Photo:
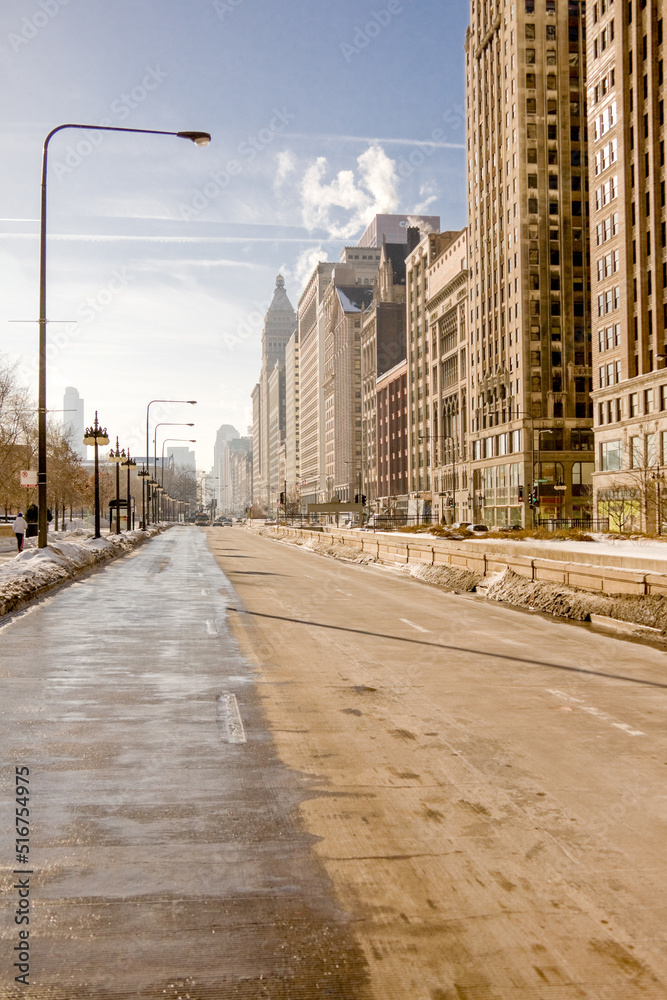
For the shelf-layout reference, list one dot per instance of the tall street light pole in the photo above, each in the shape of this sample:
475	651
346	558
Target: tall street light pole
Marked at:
199	139
144	493
96	436
164	423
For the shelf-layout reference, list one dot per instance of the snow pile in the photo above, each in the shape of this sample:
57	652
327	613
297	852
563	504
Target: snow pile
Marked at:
446	577
579	605
35	570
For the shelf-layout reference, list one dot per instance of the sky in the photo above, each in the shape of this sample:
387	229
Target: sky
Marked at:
162	256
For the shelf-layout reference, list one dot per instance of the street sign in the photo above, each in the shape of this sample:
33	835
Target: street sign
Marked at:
541	480
560	487
28	477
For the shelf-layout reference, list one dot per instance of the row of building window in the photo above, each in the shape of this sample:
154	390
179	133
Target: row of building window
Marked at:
641	452
639	404
607	155
604	39
609	300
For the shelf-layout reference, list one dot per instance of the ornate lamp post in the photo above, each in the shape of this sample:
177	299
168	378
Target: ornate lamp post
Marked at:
129	464
115	458
199	139
96	436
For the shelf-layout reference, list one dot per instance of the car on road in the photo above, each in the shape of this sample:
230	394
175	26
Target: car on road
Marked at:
222	522
477	529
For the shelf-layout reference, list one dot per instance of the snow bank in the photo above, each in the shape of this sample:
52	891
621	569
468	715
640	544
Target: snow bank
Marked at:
35	571
579	605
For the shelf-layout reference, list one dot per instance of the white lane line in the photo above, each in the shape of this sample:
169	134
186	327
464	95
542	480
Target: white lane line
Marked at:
204	592
602	716
211	627
230	719
418	627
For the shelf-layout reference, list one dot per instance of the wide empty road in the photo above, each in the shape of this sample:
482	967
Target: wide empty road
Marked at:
488	787
256	772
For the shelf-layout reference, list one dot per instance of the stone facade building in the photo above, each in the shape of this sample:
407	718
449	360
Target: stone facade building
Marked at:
628	265
529	304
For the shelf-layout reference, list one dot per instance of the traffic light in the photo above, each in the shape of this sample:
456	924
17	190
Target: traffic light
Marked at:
362	499
451	501
521	494
356	498
282	499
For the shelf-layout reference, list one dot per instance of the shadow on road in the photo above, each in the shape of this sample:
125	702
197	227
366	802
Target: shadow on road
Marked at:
457	649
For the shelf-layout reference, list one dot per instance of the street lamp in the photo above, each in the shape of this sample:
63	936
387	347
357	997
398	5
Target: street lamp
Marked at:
115	458
145	497
129	464
96	436
199	139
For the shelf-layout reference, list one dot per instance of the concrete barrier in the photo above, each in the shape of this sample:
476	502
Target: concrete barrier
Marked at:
575	569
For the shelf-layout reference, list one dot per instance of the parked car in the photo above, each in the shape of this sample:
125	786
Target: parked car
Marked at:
477	529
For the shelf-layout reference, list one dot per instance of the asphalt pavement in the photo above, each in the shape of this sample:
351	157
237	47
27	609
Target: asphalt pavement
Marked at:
166	855
491	803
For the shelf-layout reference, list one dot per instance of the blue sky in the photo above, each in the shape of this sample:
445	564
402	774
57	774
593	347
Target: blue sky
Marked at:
162	256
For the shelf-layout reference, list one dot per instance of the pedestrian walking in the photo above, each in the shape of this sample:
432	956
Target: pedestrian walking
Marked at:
19	527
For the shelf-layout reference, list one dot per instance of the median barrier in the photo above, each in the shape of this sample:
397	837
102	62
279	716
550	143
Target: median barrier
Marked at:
584	570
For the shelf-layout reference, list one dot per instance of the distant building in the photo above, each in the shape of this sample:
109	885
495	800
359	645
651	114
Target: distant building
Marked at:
220	471
279	325
182	458
73	423
394	228
292	416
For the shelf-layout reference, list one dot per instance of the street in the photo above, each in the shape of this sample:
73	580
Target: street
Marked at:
257	772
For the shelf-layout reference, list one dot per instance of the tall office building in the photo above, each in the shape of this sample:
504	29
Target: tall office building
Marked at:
73	420
220	470
629	272
529	322
422	351
279	325
311	375
292	416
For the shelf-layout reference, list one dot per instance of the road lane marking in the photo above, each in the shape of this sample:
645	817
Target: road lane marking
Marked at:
211	627
229	719
602	716
418	627
204	592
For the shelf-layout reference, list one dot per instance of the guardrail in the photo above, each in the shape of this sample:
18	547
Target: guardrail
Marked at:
485	561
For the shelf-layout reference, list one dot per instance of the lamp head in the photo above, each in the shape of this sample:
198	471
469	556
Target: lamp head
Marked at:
199	138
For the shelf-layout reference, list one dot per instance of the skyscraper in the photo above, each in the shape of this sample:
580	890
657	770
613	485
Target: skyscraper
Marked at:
73	424
529	329
629	273
279	325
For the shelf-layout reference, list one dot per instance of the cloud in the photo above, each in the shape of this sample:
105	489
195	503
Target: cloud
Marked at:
304	265
286	164
429	193
373	193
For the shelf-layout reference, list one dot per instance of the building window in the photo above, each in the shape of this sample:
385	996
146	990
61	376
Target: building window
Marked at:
610	456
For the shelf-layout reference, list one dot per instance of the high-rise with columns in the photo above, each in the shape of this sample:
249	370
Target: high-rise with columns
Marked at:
529	302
